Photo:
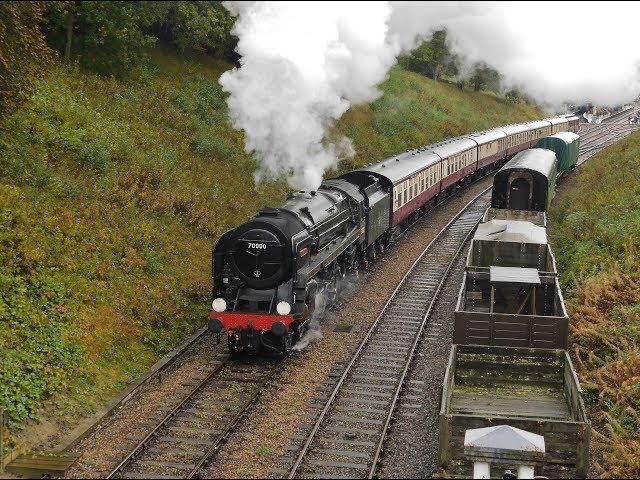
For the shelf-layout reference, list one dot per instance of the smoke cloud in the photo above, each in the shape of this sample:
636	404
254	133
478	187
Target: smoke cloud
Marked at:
303	64
555	51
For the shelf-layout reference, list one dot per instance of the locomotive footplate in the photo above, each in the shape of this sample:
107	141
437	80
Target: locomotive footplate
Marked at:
239	320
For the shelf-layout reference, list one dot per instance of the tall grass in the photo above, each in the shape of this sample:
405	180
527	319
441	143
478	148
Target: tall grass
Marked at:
596	235
111	197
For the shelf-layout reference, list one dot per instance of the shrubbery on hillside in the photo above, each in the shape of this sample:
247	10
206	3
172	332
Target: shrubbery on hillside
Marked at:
24	53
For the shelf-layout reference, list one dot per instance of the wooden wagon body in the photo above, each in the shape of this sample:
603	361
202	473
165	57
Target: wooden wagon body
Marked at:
536	390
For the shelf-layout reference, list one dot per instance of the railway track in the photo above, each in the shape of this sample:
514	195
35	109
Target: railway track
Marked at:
191	427
189	432
598	136
348	435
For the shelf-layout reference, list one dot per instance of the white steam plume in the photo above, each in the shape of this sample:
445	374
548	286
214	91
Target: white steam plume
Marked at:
303	64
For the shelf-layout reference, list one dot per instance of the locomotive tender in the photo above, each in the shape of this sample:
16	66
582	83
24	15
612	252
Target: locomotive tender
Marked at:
267	272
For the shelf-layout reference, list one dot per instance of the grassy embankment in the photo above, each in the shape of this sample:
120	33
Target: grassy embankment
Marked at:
596	234
111	195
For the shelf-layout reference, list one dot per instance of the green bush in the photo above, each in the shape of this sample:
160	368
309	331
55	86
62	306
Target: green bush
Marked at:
207	143
152	261
38	342
95	154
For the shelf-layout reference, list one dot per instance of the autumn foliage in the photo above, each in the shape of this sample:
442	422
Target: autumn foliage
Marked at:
596	233
24	54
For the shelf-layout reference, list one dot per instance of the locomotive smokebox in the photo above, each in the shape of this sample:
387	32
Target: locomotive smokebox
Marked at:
259	252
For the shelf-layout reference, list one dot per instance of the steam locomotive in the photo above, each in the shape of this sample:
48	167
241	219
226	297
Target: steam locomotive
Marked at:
268	271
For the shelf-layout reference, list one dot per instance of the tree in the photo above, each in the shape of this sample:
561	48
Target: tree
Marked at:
513	95
113	38
485	77
433	58
108	37
24	54
199	26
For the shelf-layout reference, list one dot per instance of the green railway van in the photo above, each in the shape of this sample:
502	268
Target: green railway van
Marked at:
566	146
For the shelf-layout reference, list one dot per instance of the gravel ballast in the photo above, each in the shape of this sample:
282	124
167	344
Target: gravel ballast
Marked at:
411	447
258	446
258	442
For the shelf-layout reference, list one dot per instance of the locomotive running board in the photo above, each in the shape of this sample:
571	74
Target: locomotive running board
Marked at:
326	257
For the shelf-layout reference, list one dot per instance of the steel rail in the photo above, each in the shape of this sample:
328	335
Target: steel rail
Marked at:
418	336
229	426
130	456
312	435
